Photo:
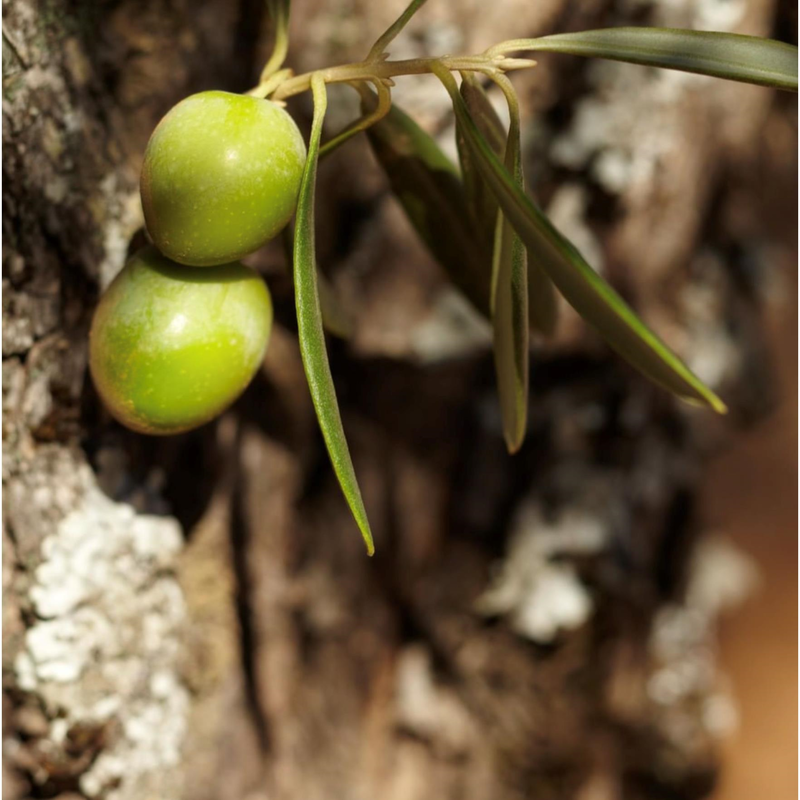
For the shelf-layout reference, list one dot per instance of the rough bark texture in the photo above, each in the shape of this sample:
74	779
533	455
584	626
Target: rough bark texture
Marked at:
196	618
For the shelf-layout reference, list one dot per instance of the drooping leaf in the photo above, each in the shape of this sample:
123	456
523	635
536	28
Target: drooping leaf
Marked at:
483	112
749	59
480	198
510	307
542	301
428	186
309	324
591	296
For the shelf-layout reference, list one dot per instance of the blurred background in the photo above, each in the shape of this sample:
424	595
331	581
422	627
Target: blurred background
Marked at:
611	614
751	494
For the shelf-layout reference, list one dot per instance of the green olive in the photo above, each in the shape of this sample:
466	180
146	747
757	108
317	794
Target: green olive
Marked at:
172	346
220	177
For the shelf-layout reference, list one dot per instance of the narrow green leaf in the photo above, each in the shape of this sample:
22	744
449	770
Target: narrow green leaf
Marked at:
510	307
749	59
483	113
427	185
480	197
542	301
591	296
309	324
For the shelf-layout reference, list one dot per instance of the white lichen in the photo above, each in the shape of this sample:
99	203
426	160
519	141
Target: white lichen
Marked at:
540	596
682	640
120	226
453	329
625	143
105	645
429	710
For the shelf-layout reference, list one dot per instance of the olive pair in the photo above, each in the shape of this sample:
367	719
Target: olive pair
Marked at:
181	331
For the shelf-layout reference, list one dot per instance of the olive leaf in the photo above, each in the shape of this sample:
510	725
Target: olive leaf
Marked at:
542	301
428	186
309	324
510	304
591	296
750	59
480	197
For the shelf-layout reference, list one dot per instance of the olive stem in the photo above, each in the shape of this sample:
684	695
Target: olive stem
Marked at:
266	87
385	70
364	122
279	9
511	96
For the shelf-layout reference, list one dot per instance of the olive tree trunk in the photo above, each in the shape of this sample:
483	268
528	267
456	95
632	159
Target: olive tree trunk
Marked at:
196	618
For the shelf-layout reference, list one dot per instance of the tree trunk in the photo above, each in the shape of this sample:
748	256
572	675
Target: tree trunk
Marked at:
196	617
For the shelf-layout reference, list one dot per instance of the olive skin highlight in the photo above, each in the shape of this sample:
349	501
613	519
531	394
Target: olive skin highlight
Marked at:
171	347
220	177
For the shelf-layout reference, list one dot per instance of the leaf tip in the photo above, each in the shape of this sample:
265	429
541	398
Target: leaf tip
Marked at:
361	519
708	400
514	444
717	404
712	401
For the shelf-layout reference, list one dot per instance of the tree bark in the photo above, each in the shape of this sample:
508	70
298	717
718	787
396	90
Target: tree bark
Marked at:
195	617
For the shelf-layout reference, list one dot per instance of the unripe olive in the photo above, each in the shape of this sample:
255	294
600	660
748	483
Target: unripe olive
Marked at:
172	346
220	177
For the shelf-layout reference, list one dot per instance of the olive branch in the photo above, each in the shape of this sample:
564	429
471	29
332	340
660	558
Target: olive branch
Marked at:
512	274
495	243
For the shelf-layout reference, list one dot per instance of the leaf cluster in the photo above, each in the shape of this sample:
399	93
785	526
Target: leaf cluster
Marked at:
495	243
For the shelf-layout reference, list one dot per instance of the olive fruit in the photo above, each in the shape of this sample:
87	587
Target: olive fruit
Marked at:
172	346
220	177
